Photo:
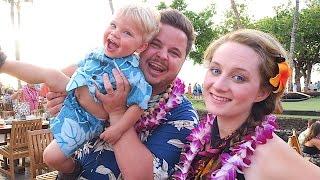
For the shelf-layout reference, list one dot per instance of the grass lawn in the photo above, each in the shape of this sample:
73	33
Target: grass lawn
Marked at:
198	104
296	116
312	104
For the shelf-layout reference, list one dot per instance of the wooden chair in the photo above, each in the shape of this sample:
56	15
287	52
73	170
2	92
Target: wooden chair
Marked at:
294	142
6	114
18	144
38	141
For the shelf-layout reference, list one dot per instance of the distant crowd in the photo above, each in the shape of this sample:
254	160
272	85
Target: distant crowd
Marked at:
18	104
195	91
312	87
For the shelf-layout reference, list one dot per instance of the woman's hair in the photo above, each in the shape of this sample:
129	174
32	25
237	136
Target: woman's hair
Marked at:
178	20
268	49
314	132
145	17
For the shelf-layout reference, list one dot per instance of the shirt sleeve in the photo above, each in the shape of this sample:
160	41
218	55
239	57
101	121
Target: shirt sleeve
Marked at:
167	141
140	92
89	55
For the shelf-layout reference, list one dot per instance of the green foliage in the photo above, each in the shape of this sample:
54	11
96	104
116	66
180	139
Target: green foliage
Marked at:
311	3
202	22
279	26
179	5
307	36
162	5
307	46
230	19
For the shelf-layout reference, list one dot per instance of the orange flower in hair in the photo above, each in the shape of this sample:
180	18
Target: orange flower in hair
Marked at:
280	80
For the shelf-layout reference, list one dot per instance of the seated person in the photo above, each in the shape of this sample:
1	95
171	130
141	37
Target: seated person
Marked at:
20	106
303	134
311	144
7	99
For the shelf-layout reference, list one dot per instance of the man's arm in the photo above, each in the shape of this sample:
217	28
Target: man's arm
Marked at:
160	152
69	70
138	154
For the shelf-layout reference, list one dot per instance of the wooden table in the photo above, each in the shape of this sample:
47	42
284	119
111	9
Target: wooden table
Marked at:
6	129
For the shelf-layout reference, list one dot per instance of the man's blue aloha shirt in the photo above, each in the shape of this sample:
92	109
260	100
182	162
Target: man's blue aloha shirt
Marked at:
165	143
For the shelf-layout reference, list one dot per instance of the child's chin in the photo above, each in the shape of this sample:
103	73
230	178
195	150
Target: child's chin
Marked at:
107	53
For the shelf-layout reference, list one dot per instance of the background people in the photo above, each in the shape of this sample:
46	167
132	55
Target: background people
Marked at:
1	89
31	95
304	133
197	91
189	91
311	144
21	107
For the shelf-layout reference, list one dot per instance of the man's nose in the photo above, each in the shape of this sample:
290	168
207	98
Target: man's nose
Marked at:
163	54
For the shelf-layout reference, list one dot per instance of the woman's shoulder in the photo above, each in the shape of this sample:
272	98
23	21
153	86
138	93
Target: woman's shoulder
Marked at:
276	160
315	142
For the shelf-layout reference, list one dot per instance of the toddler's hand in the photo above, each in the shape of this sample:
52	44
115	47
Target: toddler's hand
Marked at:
111	135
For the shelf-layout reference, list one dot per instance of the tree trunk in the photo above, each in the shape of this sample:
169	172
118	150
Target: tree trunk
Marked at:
305	88
16	41
111	6
293	40
307	75
298	83
309	69
237	15
297	77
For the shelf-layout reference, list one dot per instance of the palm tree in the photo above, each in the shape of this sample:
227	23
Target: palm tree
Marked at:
15	5
237	15
293	40
111	6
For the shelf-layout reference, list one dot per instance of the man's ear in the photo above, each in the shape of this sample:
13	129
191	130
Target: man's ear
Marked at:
262	95
142	47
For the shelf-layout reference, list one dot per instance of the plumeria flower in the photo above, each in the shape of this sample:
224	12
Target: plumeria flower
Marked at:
280	80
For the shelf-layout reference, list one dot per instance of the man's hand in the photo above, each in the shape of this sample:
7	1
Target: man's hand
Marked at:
114	102
54	102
